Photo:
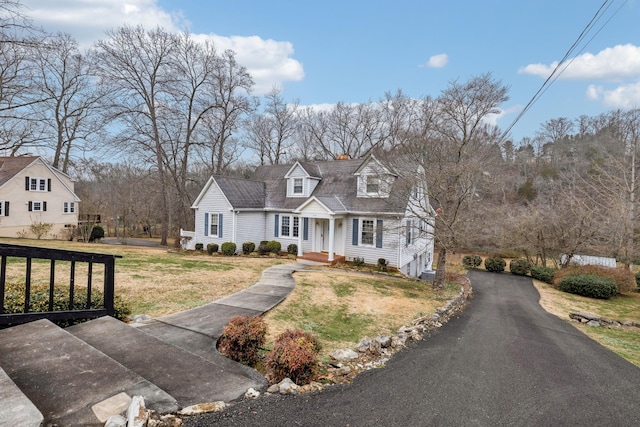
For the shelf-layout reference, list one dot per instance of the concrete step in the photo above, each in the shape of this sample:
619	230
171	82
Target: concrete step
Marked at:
182	372
16	409
69	381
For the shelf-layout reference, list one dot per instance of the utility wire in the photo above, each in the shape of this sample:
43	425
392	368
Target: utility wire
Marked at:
560	66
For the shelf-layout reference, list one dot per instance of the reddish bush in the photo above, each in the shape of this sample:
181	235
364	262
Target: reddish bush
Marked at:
242	338
624	278
294	356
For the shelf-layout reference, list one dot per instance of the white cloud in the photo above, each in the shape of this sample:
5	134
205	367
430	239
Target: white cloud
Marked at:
623	97
437	61
612	64
269	62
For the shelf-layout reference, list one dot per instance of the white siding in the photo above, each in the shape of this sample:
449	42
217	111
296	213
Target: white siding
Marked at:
250	228
20	219
388	251
214	201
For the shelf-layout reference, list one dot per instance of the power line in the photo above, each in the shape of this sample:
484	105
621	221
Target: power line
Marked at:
560	66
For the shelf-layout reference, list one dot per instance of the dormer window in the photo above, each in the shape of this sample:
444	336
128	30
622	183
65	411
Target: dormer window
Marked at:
373	185
297	185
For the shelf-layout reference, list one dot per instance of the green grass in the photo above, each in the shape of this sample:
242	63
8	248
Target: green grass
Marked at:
625	342
344	289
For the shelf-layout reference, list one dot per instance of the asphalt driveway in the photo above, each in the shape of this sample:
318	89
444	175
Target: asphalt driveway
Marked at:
503	361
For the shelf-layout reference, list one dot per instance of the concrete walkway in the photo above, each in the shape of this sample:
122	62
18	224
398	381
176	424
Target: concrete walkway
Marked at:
171	360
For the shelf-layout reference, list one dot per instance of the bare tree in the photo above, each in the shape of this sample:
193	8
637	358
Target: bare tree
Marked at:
270	133
455	152
69	116
133	64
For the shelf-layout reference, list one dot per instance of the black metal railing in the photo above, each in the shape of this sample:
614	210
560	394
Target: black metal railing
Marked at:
70	258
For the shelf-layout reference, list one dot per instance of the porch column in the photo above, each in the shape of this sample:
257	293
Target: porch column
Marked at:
332	227
300	235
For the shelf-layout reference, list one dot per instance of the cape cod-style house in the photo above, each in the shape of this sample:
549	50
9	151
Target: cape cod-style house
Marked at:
32	192
345	209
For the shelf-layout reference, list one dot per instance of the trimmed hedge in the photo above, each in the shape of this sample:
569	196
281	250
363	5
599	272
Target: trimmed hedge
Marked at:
638	281
495	264
589	285
623	278
544	274
519	267
39	301
248	247
212	248
274	246
471	261
228	248
292	249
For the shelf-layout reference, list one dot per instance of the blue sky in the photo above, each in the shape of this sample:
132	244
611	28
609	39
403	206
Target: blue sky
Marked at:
355	51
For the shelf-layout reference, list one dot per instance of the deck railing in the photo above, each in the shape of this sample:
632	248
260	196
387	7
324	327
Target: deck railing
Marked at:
70	259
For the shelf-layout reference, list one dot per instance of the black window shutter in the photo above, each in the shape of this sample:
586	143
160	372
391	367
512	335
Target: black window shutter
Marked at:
26	183
220	226
379	233
30	206
407	239
275	227
6	208
44	206
354	237
305	228
206	224
49	184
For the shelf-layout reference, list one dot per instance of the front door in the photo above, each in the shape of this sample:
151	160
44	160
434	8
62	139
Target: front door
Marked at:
325	235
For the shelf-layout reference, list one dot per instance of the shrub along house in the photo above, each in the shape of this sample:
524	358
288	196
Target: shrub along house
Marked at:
35	196
342	209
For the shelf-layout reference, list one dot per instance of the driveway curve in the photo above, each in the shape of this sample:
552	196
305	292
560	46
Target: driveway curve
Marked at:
503	361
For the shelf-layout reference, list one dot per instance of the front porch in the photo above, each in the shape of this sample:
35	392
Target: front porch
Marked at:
322	257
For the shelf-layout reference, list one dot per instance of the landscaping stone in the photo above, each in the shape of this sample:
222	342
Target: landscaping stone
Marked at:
343	354
287	386
252	393
593	323
137	415
384	341
203	408
116	421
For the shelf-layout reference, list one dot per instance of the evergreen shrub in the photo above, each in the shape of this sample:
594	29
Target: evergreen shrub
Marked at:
228	249
520	267
495	264
589	285
248	247
471	261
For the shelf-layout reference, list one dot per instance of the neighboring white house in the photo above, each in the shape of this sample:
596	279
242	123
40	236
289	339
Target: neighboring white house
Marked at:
342	208
33	192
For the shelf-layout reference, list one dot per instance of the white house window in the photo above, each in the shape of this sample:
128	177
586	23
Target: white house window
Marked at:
4	208
69	207
37	184
213	224
373	185
289	226
37	206
297	185
367	234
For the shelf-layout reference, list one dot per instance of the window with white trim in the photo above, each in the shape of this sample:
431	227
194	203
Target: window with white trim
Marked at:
297	185
367	233
289	226
37	206
213	224
69	207
373	185
37	184
3	208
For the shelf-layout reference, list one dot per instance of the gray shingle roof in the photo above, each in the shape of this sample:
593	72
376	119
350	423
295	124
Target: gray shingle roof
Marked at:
337	188
242	193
